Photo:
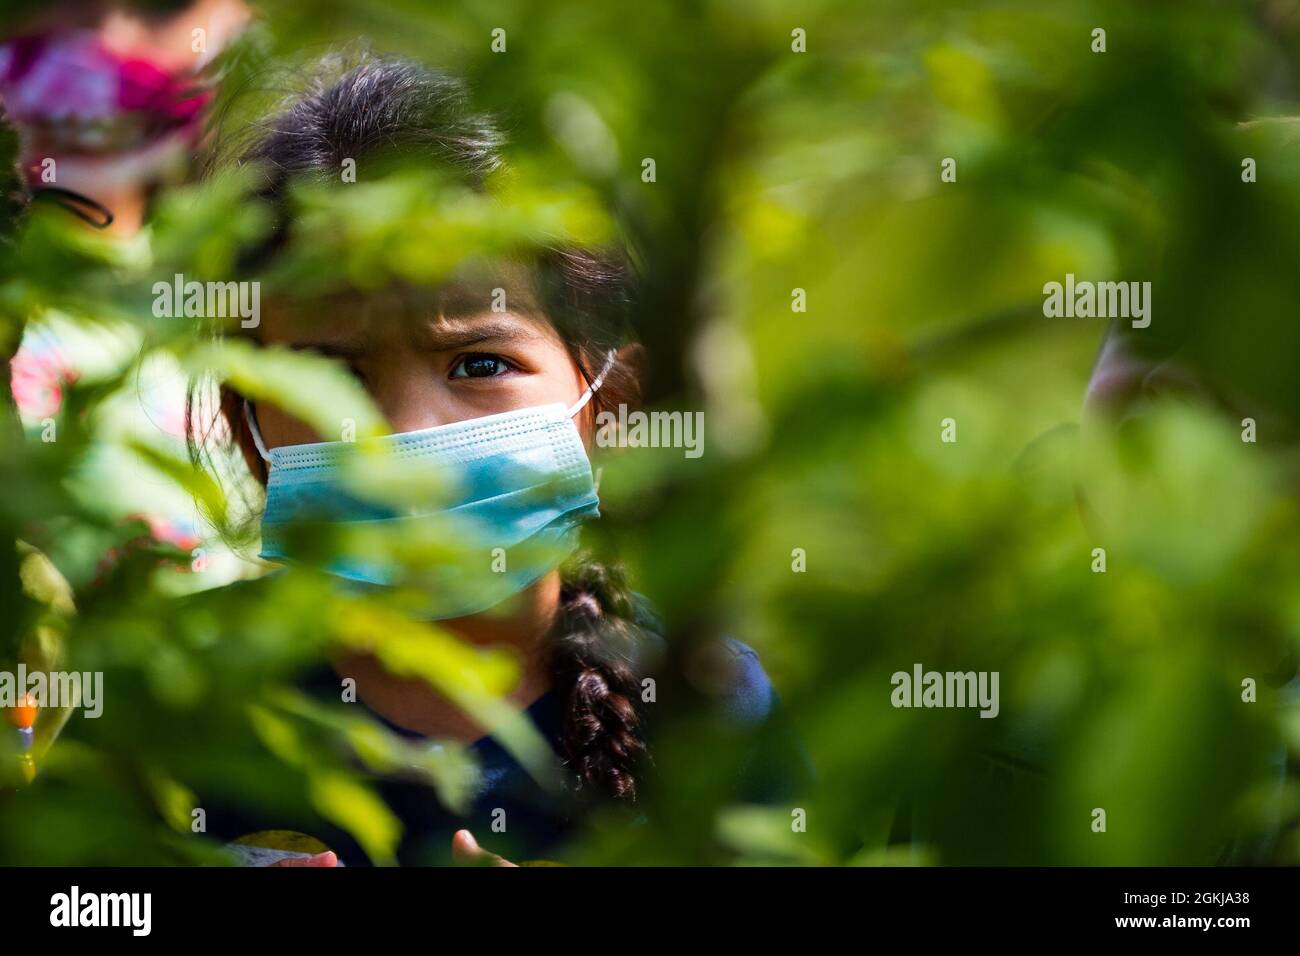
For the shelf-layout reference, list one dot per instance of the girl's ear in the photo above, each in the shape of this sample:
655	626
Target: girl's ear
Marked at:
256	466
622	387
232	406
633	358
633	353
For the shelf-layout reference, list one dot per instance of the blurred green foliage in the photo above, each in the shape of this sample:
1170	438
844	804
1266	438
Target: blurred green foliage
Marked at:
776	171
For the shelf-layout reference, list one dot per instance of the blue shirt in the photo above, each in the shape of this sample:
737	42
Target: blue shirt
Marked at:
771	765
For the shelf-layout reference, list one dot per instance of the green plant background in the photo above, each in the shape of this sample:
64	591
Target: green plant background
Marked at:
775	171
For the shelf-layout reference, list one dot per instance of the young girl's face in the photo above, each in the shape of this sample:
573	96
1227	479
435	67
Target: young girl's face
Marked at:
463	362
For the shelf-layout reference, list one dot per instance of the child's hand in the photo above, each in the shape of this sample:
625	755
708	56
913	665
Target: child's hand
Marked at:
466	852
464	849
319	859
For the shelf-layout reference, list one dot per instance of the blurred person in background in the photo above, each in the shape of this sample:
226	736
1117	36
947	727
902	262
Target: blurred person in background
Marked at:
1133	375
109	97
106	101
1136	373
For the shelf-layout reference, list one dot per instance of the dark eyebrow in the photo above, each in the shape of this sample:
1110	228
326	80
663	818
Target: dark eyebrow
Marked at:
441	335
341	349
446	337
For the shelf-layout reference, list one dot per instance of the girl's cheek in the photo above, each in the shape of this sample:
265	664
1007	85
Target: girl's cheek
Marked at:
280	428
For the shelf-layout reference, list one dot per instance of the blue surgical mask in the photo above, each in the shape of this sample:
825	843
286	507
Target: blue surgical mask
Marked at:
507	495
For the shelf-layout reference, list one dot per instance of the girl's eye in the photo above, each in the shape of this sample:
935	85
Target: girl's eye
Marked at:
479	366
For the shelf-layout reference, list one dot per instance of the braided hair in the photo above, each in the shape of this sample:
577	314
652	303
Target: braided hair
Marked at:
594	649
357	103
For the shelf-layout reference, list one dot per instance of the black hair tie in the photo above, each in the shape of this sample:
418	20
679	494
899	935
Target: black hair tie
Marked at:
81	206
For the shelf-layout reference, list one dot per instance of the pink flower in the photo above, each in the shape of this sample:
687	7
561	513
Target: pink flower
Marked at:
73	89
39	373
181	534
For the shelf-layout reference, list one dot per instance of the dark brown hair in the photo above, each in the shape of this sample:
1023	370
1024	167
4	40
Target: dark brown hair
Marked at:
359	105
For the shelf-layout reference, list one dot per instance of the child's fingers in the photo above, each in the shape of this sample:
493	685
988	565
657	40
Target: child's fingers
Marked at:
319	859
466	852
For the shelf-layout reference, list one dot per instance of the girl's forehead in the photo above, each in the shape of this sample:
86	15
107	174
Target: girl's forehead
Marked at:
498	287
474	291
497	309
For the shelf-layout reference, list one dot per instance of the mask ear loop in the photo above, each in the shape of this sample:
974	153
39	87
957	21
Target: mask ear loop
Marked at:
599	381
251	419
80	205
